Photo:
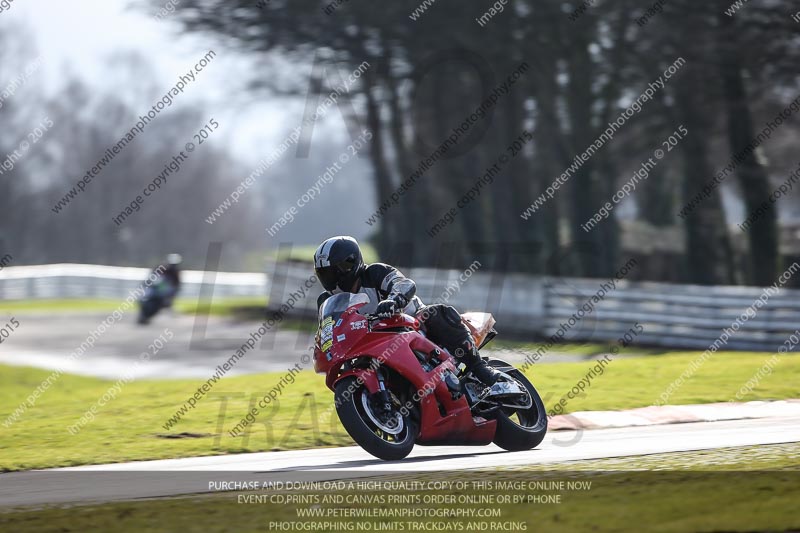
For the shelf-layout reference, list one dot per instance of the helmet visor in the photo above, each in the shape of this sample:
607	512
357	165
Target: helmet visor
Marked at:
328	276
347	265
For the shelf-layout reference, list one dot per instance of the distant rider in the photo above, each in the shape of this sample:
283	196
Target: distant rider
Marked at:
169	283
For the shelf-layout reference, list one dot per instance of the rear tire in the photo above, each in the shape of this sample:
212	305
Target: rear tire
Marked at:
530	426
349	406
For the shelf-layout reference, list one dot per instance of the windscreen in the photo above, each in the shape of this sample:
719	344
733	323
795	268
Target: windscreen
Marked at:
337	304
331	310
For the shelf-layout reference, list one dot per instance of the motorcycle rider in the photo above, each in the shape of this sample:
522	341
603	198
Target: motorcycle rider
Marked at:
171	277
163	290
340	267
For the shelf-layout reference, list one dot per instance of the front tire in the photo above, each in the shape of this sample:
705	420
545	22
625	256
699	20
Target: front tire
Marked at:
519	430
144	318
148	309
352	403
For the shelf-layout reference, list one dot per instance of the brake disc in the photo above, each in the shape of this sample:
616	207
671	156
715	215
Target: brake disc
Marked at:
393	426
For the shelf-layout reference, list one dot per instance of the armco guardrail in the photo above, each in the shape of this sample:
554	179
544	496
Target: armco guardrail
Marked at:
97	281
671	315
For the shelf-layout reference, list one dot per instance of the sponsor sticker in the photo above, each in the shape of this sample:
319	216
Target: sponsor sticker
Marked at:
326	334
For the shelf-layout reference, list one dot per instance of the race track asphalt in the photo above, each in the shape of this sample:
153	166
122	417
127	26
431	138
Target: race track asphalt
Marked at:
149	479
46	341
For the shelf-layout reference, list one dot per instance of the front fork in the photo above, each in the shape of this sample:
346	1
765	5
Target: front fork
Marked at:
382	397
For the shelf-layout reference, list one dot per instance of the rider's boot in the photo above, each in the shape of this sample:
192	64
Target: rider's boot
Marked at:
475	364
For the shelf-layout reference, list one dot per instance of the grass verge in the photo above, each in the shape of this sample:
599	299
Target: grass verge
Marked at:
742	458
222	307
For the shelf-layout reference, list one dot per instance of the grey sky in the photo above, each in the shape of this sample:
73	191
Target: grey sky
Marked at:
87	38
83	37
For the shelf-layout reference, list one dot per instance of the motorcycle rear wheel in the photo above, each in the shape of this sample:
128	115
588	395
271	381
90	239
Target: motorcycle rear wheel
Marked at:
350	406
519	430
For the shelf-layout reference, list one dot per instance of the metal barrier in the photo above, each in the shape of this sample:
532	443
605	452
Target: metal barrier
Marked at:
671	315
97	281
676	316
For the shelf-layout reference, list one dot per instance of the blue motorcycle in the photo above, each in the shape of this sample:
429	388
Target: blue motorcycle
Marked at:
156	297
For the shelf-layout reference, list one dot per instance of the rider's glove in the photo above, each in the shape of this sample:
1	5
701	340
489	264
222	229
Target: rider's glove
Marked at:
386	308
400	300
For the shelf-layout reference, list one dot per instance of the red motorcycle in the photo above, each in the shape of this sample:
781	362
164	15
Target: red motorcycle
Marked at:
395	388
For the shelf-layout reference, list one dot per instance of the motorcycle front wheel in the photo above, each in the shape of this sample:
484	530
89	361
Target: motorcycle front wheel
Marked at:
388	439
147	309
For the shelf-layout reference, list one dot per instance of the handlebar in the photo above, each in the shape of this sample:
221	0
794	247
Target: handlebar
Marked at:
378	317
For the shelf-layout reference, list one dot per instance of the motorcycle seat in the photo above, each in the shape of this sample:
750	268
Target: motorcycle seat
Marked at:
479	324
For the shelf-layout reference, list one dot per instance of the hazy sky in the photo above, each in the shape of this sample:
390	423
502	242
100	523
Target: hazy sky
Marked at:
85	38
82	36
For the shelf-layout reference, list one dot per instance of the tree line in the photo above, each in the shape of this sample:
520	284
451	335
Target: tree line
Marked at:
431	70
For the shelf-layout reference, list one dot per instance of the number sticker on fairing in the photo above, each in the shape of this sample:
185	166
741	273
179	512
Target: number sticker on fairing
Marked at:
326	334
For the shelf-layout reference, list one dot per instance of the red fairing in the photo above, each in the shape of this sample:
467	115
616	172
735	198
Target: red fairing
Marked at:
391	341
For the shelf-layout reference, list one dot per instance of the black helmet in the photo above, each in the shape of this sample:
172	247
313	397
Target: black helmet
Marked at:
338	262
